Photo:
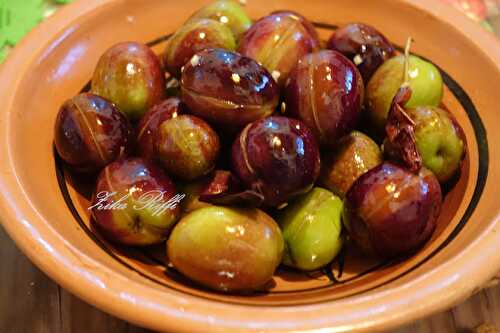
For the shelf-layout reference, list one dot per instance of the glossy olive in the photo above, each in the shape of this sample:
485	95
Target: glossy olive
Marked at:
326	92
278	42
152	119
312	228
390	211
90	133
364	45
135	203
226	249
354	155
193	37
228	89
425	82
187	147
227	12
131	76
277	157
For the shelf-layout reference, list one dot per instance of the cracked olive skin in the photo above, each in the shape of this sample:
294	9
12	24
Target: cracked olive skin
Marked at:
226	249
364	45
227	89
151	121
278	42
193	37
326	92
134	203
355	154
311	227
277	157
390	212
90	132
130	75
187	147
227	12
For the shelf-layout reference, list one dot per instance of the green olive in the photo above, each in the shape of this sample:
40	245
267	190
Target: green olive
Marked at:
226	249
227	12
312	230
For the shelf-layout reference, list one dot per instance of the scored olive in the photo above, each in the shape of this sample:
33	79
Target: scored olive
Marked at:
228	89
152	119
187	147
227	12
278	42
193	37
225	248
90	132
354	155
131	76
325	91
277	157
312	230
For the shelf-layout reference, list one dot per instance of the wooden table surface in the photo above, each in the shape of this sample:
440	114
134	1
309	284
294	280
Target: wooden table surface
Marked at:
30	302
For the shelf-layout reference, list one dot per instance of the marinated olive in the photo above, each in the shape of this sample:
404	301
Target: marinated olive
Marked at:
227	12
425	82
277	157
440	140
312	230
130	75
193	37
278	42
390	211
364	45
307	24
135	203
152	119
326	92
228	89
225	248
90	133
187	147
354	155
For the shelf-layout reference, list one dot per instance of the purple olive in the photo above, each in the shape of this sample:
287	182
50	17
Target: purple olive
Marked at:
131	76
90	133
277	157
148	126
364	45
390	211
278	42
187	147
228	89
135	203
326	92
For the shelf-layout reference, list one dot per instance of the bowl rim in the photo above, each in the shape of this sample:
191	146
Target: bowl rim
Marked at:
143	304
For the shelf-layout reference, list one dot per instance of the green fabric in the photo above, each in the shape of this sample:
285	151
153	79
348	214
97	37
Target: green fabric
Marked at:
18	17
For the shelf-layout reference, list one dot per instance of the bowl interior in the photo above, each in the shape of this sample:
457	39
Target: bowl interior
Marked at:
64	64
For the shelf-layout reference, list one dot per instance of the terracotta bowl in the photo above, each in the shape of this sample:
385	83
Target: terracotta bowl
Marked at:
45	211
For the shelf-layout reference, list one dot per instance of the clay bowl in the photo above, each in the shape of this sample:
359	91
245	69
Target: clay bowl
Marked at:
46	213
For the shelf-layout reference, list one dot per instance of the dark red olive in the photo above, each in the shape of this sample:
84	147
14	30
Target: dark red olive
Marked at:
277	157
390	211
305	22
364	45
278	42
228	89
148	126
135	203
326	92
90	133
